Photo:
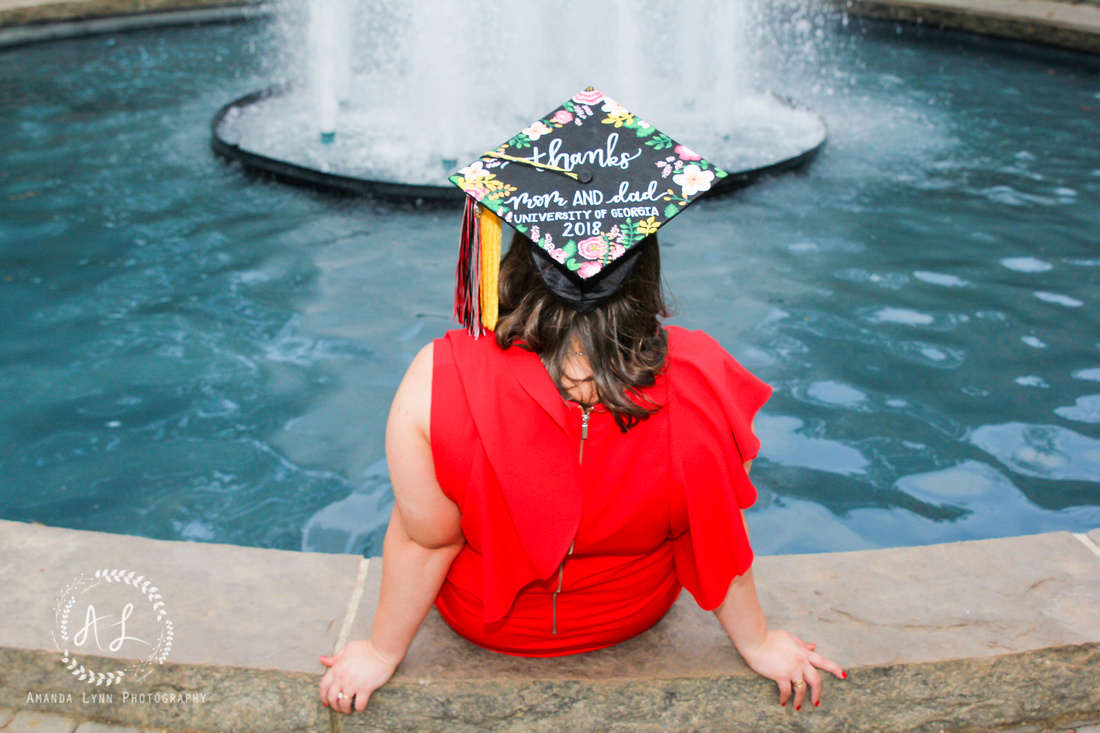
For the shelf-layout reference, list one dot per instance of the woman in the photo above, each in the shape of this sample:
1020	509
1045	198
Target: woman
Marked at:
559	482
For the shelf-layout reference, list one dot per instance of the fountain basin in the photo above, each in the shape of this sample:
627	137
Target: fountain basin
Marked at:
272	132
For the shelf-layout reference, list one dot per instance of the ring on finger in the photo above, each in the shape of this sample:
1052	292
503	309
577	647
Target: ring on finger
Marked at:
339	696
798	684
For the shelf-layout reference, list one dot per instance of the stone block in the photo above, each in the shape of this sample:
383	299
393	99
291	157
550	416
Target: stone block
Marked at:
38	11
915	627
1074	25
249	626
973	636
31	721
231	606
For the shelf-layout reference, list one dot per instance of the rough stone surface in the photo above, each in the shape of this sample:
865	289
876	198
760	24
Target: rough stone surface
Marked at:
1094	535
30	721
1072	25
916	697
237	699
6	714
92	727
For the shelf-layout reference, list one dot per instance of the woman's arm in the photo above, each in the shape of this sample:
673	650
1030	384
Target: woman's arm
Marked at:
777	655
422	540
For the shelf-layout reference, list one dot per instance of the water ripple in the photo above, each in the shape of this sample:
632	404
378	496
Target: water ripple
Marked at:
1041	451
1084	409
1026	264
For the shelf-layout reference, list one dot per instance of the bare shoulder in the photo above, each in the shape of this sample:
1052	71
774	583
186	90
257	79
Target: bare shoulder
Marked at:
428	516
412	405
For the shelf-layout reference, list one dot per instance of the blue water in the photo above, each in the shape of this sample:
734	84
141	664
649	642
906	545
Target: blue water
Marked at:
187	352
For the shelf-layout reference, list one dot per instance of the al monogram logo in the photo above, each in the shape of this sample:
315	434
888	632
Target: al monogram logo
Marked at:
113	614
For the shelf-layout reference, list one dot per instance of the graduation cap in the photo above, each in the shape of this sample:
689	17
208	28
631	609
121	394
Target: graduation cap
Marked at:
586	184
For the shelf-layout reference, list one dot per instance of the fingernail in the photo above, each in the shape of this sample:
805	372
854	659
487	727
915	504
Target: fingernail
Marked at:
843	675
783	704
797	707
817	703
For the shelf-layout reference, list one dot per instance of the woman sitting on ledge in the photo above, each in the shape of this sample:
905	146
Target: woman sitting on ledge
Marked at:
560	480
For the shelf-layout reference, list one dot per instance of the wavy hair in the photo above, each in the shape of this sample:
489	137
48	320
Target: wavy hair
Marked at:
624	342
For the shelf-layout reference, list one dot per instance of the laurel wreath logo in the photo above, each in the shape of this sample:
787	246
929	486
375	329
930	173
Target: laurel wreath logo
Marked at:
136	671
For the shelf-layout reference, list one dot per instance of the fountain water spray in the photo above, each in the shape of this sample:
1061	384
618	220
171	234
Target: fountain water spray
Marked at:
436	84
330	50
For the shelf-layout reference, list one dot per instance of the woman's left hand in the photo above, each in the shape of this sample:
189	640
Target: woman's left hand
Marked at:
789	661
355	672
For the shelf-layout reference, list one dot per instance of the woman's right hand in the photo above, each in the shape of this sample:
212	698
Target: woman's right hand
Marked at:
356	671
787	660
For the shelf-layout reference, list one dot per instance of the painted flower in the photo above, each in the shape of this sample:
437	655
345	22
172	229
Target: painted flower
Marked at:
693	180
617	251
593	248
475	171
563	117
534	233
588	269
558	254
612	107
588	97
687	153
537	130
476	190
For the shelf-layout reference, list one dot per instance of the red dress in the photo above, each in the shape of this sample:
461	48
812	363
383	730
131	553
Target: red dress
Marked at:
563	557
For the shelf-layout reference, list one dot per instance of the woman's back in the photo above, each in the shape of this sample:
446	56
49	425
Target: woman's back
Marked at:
571	524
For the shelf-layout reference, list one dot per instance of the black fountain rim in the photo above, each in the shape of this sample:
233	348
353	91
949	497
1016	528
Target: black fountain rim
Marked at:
305	176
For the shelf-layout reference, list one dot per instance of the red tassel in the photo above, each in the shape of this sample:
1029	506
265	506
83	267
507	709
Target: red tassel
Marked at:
468	272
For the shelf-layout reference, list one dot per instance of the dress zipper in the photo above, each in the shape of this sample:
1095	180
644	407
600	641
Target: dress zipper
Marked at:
584	431
585	413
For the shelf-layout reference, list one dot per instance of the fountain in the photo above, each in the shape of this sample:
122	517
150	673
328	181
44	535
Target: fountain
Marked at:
191	353
442	94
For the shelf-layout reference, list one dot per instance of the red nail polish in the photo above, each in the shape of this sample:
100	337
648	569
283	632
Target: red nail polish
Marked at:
797	707
817	703
783	704
843	675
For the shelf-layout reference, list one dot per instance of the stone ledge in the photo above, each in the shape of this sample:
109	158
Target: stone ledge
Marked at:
985	635
27	12
1072	25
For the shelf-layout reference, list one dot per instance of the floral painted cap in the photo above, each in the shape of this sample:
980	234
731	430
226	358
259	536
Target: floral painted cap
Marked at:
586	184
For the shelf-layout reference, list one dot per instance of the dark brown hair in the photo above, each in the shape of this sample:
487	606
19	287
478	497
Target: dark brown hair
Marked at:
622	338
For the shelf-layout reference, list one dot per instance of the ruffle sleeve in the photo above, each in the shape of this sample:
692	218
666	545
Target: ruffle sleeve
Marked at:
713	400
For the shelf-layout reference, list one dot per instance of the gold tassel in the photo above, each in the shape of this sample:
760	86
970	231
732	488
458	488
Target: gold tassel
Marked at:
490	267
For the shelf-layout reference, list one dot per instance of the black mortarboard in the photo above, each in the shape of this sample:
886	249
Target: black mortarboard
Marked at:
586	184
